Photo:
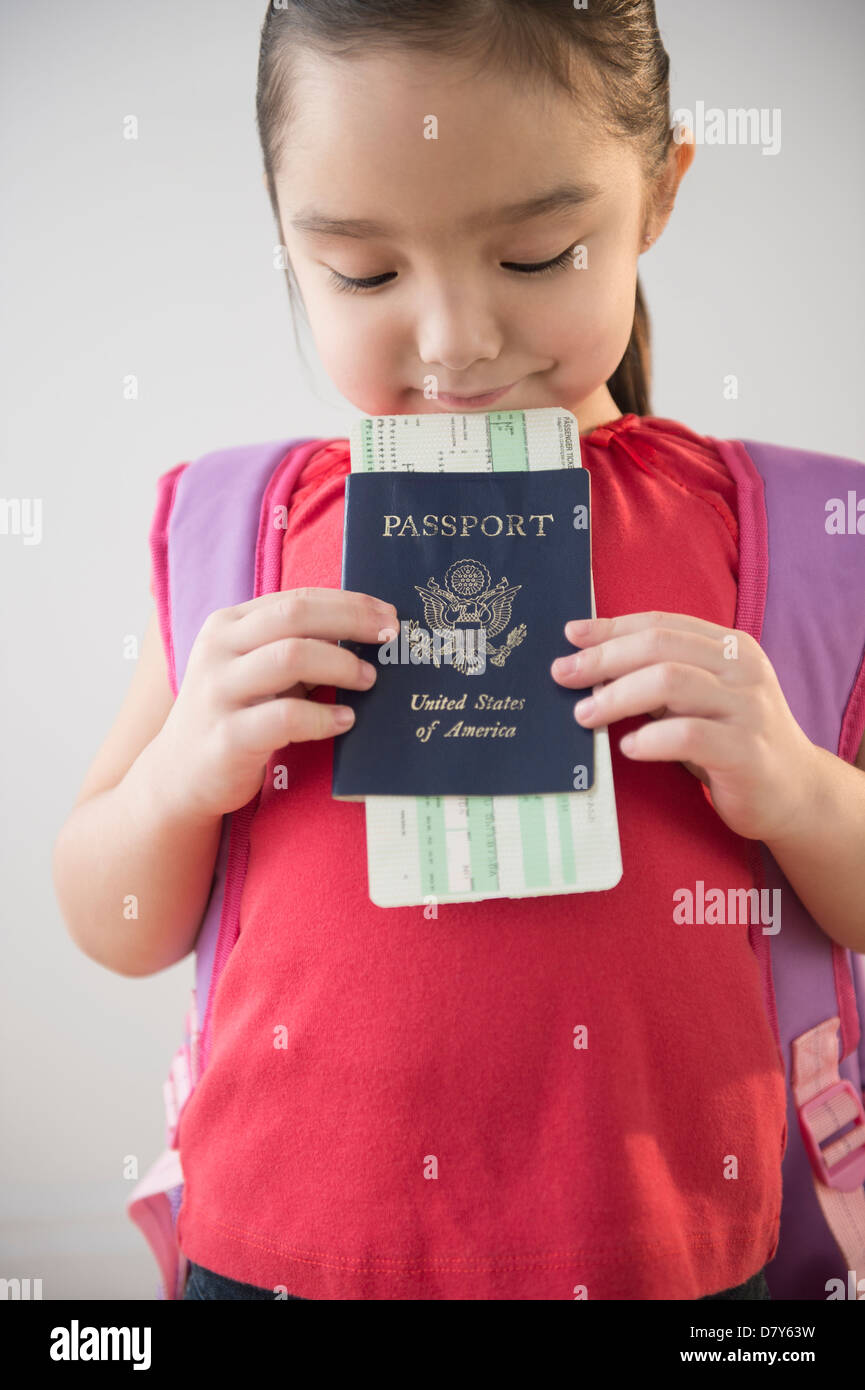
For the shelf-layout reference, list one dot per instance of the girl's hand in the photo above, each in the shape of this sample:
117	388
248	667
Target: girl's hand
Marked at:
719	707
244	692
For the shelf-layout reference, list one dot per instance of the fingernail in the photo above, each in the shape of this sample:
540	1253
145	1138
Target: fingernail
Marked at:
585	708
578	626
343	715
387	634
368	670
567	665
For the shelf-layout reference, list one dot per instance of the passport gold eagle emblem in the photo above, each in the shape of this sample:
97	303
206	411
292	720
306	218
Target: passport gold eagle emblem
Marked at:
467	602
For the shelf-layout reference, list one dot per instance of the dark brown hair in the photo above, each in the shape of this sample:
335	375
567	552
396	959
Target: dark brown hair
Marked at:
613	45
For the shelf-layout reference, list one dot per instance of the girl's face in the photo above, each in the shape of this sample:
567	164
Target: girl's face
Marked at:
441	226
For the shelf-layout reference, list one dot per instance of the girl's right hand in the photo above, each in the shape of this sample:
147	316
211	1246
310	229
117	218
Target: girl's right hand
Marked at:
244	691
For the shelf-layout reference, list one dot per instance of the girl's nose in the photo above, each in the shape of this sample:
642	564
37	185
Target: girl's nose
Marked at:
456	329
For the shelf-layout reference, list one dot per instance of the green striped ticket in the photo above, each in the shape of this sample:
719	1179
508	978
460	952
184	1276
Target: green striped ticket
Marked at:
427	849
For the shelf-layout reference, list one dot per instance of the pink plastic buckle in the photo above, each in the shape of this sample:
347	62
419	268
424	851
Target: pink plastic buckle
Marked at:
849	1172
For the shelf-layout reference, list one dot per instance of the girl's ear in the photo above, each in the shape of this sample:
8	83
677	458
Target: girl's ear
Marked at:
679	161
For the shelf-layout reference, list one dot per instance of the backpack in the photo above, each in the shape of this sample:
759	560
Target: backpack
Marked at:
214	544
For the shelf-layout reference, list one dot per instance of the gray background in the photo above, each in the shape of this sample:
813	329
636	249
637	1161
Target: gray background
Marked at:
154	257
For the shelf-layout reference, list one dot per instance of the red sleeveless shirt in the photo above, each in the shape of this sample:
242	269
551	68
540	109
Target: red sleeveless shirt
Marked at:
394	1106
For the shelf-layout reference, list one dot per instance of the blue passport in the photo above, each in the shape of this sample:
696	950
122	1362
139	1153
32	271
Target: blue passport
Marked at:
485	569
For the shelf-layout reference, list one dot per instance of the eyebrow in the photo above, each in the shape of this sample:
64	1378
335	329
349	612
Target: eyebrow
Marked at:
565	197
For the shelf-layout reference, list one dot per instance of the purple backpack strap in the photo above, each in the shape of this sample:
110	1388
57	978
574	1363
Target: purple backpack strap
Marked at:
216	541
800	595
222	550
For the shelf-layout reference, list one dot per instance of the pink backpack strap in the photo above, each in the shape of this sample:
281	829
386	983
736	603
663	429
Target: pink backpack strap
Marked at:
800	593
166	491
216	541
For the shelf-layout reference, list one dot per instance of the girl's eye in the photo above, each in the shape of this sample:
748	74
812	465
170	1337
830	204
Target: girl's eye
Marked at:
542	267
344	282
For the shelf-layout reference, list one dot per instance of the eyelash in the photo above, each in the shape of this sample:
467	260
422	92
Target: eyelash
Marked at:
373	282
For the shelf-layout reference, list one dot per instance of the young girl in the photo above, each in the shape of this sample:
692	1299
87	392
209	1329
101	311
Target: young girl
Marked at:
464	191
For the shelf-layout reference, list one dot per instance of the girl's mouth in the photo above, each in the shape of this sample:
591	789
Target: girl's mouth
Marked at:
481	402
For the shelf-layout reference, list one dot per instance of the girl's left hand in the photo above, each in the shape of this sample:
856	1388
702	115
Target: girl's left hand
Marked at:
718	705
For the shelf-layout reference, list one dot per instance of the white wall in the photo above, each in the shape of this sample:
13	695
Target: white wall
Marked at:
153	258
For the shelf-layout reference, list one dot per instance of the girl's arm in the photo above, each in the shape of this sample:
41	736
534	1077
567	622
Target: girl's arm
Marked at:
718	708
132	865
823	856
